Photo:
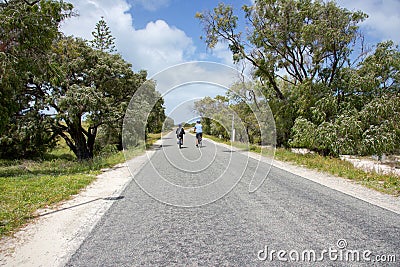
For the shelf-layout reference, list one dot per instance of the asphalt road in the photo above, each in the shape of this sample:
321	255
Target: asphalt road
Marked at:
192	207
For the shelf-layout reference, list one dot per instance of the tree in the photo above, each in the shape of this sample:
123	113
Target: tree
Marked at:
168	124
27	31
92	89
298	48
156	117
379	73
103	39
205	108
308	40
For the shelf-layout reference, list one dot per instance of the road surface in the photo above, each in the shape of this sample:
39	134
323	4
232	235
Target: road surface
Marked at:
288	221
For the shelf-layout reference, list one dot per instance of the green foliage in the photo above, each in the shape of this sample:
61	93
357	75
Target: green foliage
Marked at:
27	185
303	133
296	33
387	183
380	120
54	86
103	39
373	130
27	32
324	101
91	85
157	115
309	40
28	136
380	72
168	124
213	113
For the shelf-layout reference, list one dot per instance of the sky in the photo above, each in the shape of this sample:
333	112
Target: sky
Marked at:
157	34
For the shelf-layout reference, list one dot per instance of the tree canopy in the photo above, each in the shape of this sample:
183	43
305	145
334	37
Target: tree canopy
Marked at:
55	86
27	32
307	40
323	96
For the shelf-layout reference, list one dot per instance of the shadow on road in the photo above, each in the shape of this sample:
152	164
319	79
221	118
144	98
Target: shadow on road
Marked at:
80	204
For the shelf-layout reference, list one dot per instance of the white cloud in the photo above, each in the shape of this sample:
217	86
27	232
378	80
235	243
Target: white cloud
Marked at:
153	48
383	22
158	46
89	13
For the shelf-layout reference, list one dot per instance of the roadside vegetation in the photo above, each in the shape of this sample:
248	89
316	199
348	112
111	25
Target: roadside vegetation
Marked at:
64	98
62	107
385	183
327	91
29	185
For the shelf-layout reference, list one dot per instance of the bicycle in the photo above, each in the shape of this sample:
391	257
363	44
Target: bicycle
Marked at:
199	140
180	142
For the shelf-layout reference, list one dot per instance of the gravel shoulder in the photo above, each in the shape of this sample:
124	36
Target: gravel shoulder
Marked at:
58	232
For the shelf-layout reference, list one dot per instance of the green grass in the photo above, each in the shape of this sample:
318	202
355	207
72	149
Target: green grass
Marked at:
386	183
29	185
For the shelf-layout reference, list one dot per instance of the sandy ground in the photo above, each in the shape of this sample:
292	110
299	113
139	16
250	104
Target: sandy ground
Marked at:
371	165
58	232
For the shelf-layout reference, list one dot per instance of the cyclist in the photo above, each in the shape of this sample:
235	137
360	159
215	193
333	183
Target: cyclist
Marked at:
179	133
198	129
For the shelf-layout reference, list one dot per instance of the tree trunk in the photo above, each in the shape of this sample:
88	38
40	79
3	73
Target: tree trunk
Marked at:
92	132
81	148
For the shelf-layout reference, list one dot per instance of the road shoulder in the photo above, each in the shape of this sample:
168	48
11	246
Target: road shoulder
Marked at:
57	233
55	236
343	185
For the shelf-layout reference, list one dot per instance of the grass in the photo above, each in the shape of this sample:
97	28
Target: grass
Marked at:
385	183
29	185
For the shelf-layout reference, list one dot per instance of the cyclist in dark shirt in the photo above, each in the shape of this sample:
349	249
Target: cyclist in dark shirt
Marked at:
180	132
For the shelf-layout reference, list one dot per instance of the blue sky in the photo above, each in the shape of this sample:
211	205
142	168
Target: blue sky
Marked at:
157	34
151	34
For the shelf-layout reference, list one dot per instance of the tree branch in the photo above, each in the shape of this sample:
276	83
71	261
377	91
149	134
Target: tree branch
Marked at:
31	3
68	141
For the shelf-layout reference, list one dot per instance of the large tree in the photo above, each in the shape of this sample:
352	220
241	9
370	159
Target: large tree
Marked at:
298	48
27	31
305	39
364	116
93	88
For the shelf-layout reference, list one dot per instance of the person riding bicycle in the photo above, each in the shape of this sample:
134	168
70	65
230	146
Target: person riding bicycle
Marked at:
198	129
180	132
